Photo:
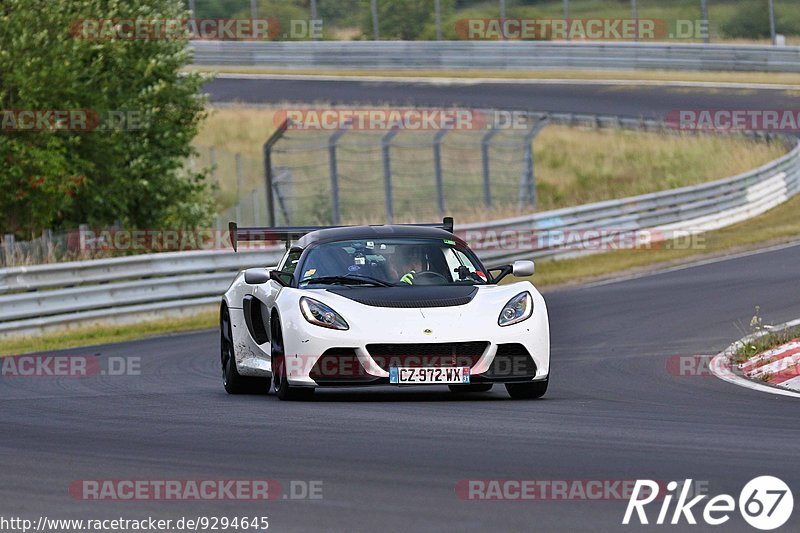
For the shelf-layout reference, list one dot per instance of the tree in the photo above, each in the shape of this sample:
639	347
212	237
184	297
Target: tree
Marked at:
400	19
131	171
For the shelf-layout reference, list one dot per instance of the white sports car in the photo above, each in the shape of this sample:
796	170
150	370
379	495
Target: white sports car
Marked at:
394	305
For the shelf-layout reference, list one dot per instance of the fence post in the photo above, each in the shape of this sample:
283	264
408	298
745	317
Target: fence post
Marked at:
47	241
282	178
267	150
487	191
334	171
527	188
256	210
772	22
704	19
438	16
8	248
386	145
212	158
437	165
238	188
84	236
375	28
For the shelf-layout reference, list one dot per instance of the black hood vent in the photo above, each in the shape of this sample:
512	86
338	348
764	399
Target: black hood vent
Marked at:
409	297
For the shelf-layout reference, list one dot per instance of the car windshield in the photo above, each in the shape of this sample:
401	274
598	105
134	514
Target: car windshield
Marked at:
391	262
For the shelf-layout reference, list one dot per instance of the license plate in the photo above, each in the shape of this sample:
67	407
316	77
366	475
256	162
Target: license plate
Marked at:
400	375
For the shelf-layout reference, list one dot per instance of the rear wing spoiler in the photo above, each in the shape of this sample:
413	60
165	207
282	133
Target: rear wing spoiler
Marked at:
287	234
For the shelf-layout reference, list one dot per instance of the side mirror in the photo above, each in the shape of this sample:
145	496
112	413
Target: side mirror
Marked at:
522	269
518	269
281	278
256	276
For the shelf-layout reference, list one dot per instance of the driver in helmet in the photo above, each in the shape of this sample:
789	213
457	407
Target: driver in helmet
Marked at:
410	261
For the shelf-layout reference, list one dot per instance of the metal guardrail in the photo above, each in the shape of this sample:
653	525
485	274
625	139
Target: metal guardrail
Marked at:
663	214
119	289
510	55
123	289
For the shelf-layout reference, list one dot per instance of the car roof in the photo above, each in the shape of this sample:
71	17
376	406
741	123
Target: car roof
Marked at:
346	233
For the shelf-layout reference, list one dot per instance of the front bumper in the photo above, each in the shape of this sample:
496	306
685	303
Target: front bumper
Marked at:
493	353
319	357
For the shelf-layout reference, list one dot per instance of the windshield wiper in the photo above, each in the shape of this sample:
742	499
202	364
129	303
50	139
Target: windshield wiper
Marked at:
363	280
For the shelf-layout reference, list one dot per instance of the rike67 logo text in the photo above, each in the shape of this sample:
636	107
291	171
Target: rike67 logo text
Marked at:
765	503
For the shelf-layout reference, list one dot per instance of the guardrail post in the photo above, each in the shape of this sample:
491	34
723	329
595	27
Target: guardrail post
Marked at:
386	145
334	171
437	166
487	191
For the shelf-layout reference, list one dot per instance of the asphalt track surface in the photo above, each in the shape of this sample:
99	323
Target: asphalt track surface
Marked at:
390	459
646	101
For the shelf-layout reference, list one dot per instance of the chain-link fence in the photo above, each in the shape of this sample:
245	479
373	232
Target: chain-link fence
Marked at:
349	176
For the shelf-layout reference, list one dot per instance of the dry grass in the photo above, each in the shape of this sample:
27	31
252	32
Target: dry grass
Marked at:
104	334
722	77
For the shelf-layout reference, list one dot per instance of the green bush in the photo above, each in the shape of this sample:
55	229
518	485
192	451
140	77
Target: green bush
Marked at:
132	174
750	21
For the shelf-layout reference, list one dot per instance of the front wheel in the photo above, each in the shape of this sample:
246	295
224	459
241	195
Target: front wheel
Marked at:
280	383
527	391
234	382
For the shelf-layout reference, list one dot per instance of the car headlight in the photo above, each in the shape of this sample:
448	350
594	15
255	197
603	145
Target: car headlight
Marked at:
320	314
518	308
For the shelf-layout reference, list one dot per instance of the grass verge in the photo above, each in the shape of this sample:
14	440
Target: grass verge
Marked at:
721	77
766	342
105	334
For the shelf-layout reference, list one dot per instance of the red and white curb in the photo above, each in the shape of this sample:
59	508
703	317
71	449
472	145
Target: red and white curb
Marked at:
776	371
778	366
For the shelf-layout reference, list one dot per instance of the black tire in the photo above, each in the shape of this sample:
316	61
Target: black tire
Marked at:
473	387
280	384
234	382
527	391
